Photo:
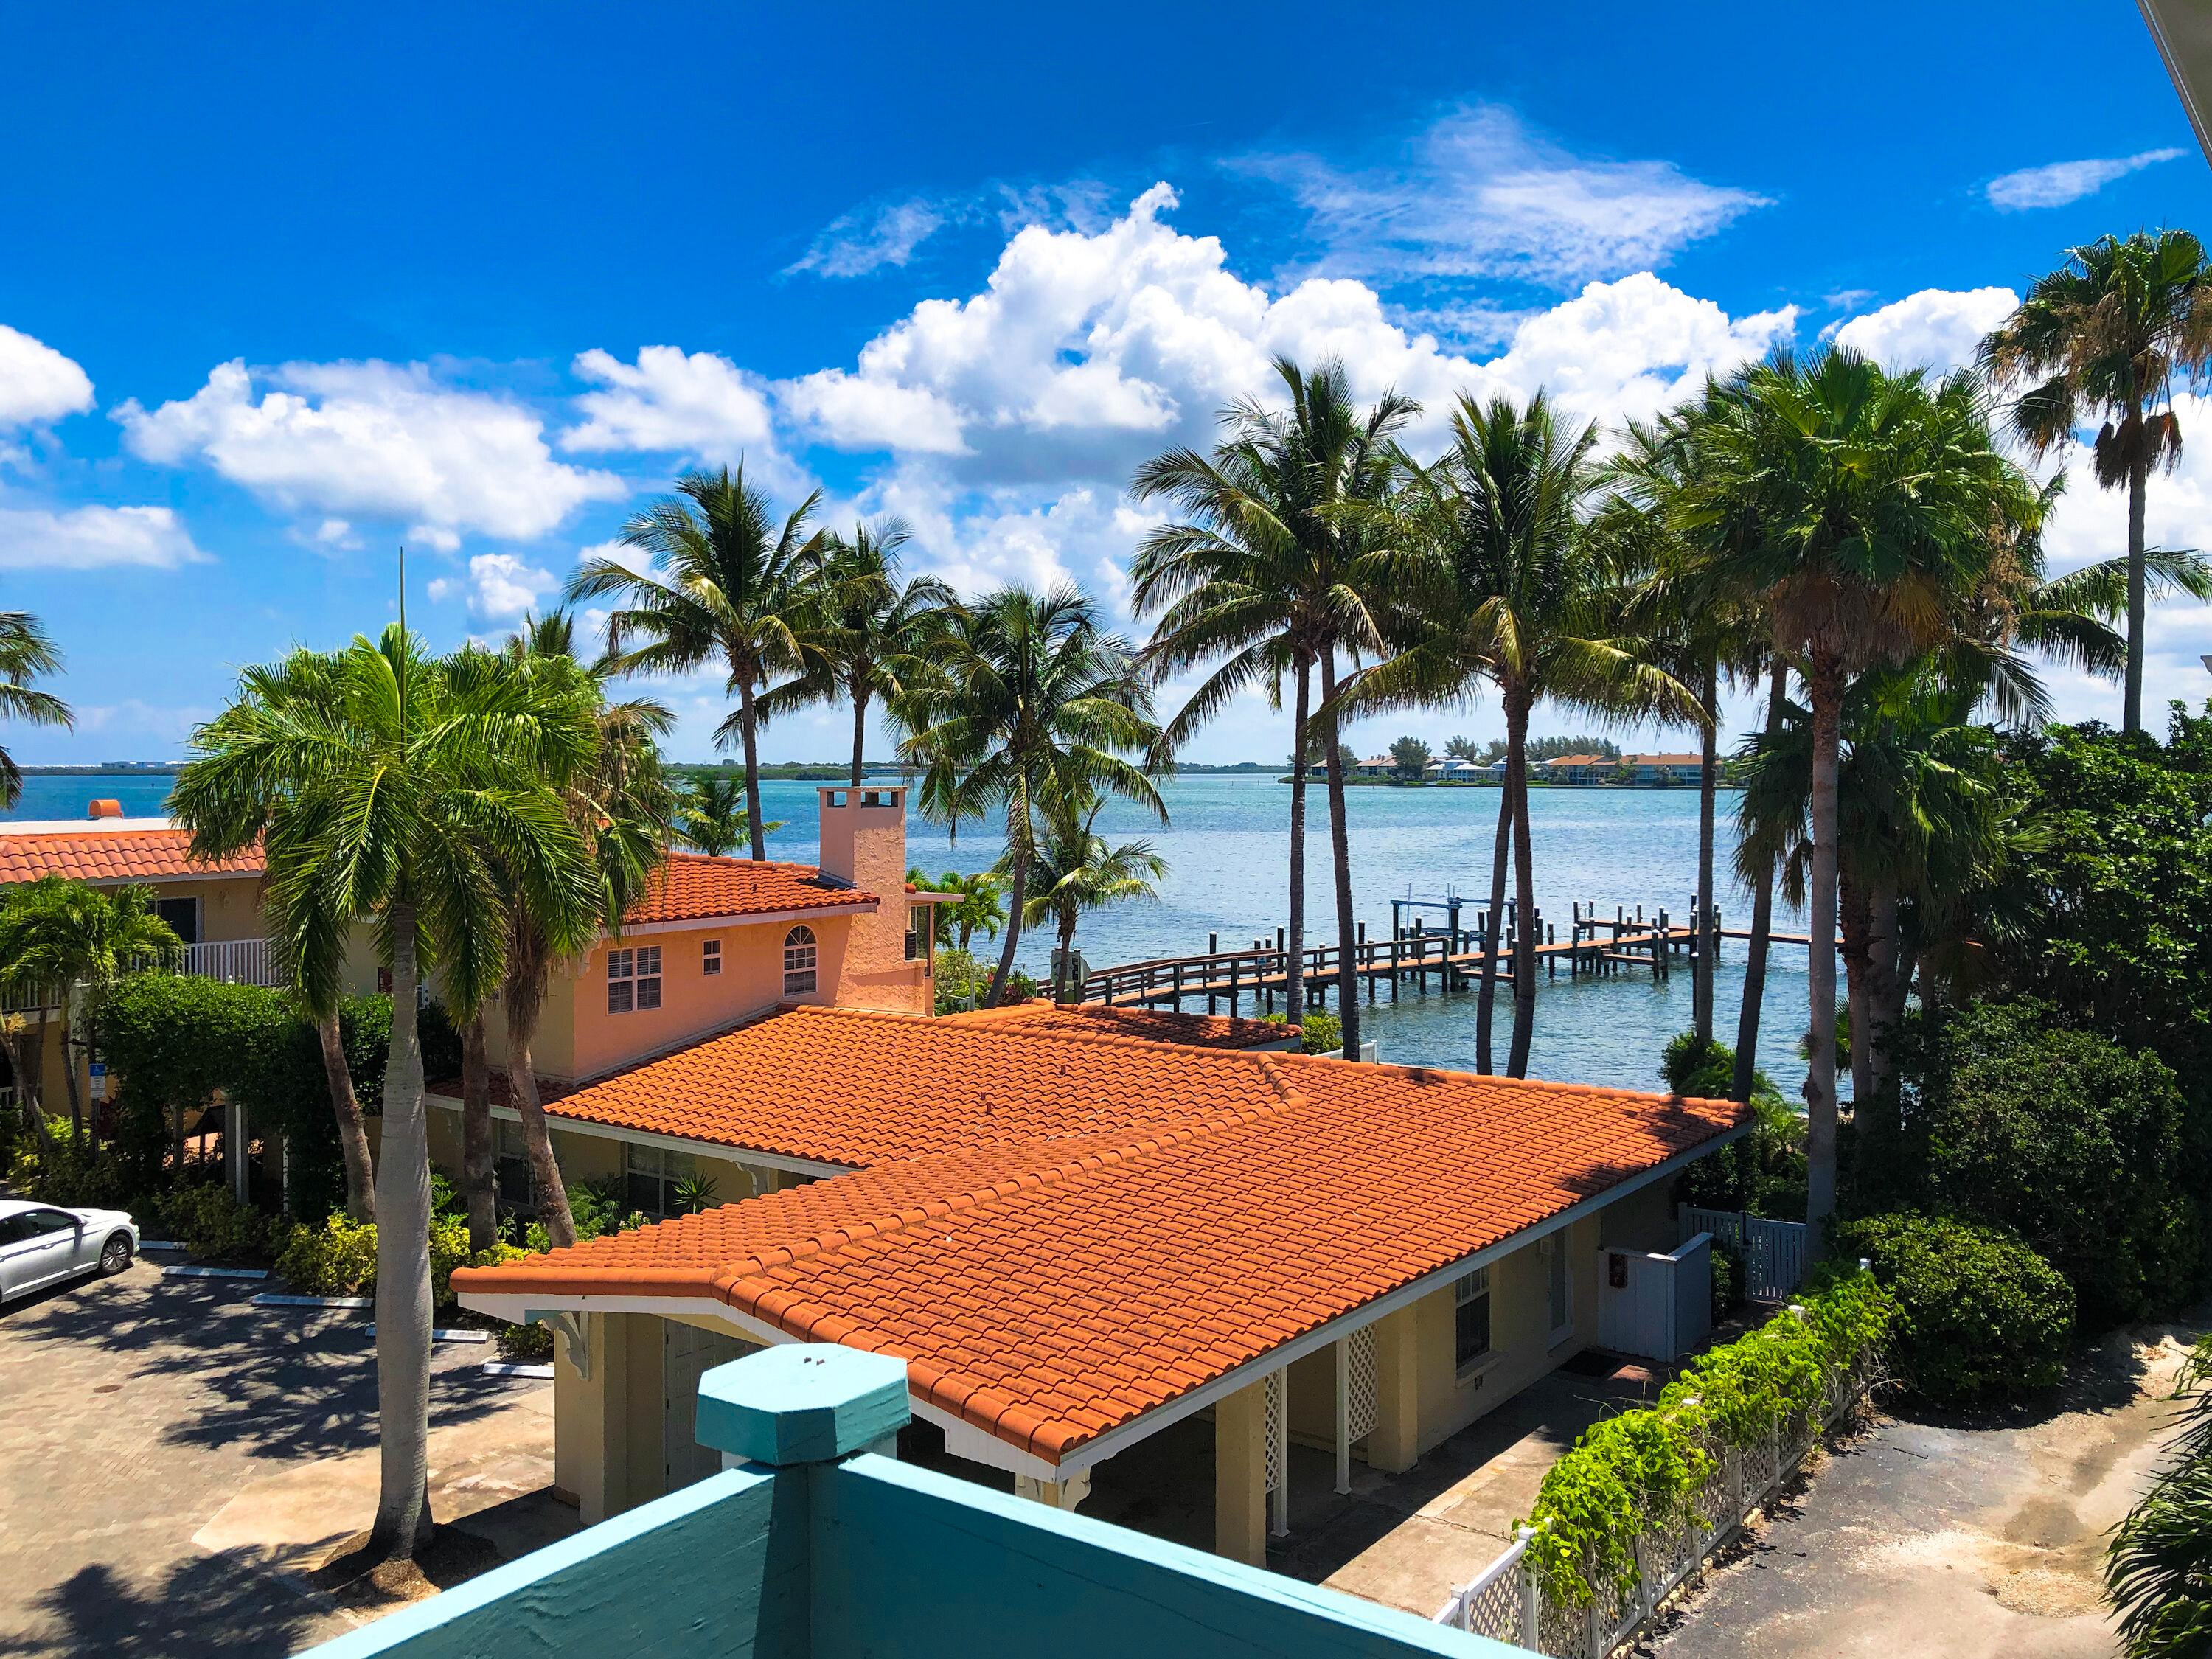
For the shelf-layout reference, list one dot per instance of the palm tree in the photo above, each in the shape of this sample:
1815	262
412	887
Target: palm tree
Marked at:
77	941
2158	1569
711	816
728	585
2106	335
25	653
981	907
619	805
1077	871
874	631
1031	711
1501	583
390	786
1262	578
1861	511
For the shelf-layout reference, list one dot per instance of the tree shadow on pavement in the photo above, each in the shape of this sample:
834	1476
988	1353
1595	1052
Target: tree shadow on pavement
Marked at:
207	1605
285	1383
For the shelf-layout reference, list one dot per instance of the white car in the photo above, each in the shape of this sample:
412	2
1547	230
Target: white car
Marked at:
43	1244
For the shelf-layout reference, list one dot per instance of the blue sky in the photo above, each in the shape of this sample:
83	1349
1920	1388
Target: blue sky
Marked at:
282	287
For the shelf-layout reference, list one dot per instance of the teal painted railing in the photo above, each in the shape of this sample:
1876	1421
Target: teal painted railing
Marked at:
818	1548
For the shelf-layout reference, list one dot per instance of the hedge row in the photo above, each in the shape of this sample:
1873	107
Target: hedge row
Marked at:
1644	1471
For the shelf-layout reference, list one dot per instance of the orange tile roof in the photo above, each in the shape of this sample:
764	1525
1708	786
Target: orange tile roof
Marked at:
1043	1015
692	886
838	1085
99	852
1051	1287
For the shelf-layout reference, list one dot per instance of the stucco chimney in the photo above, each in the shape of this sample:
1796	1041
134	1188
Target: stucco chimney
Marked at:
864	839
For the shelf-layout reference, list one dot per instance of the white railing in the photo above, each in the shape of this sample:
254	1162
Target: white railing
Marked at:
234	961
1505	1603
1773	1251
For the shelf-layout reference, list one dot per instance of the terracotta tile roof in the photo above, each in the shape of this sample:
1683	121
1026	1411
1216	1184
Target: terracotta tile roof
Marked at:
102	852
1042	1015
836	1085
692	886
1049	1290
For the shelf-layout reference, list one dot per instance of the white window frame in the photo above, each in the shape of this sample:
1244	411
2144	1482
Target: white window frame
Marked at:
802	961
710	956
633	979
659	1165
1469	1288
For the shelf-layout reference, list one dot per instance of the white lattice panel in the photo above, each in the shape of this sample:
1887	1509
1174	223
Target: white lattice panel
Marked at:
1366	1389
1276	1416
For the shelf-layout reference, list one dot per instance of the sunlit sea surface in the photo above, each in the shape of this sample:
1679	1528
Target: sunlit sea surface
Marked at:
1228	862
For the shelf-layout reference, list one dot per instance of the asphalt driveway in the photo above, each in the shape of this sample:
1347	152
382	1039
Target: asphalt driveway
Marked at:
135	1409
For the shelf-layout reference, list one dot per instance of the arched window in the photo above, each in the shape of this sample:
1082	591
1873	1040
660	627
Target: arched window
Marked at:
799	957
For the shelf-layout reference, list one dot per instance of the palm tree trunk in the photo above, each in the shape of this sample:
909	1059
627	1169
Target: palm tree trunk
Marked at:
2131	706
403	1523
749	731
1524	897
69	1071
1017	893
1493	924
353	1138
1827	684
1855	924
477	1149
1059	980
1762	924
526	995
27	1049
1339	846
1294	967
860	731
1701	965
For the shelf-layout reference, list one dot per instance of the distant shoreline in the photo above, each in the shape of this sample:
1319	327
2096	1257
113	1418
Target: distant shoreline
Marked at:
127	769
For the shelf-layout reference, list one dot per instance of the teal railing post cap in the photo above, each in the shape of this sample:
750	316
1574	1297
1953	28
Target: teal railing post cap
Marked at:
801	1403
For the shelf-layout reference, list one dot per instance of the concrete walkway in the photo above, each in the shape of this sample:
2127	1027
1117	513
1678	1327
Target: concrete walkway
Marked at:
138	1410
1970	1540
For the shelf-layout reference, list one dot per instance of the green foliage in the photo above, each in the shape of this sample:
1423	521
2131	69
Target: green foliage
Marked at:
1643	1470
1728	1278
337	1258
204	1218
74	1174
1763	1172
2157	1572
1320	1032
1410	757
694	1192
1981	1316
2065	1138
528	1344
962	982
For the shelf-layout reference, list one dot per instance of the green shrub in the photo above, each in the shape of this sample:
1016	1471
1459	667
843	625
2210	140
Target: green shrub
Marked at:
204	1219
337	1258
2076	1144
1320	1032
1642	1470
1980	1315
1728	1278
1763	1172
530	1344
76	1174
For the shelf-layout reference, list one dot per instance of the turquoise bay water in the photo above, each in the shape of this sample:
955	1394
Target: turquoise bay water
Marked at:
1228	863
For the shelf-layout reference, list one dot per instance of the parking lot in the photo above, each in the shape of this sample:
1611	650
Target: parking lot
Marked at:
141	1409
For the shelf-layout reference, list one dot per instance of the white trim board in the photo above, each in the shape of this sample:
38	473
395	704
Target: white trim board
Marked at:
722	1151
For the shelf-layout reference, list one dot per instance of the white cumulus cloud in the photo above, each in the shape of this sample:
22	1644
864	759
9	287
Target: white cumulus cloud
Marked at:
1479	194
1936	328
499	586
669	402
373	440
2061	182
94	538
868	238
37	384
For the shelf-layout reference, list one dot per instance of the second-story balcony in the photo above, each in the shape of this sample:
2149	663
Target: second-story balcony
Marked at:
232	961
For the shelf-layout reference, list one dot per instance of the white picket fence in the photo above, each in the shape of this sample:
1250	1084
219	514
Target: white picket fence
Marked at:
1505	1603
1773	1251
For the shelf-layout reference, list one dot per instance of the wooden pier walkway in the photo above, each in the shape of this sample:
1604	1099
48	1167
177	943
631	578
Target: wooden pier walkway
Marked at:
1621	942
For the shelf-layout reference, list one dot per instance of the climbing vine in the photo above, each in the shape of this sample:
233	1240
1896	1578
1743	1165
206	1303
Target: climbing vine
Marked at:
1644	1471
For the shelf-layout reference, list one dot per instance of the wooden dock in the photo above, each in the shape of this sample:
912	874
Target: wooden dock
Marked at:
1451	957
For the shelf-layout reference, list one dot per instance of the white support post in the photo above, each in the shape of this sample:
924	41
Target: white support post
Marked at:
233	1148
1531	1607
1278	1501
1342	1347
